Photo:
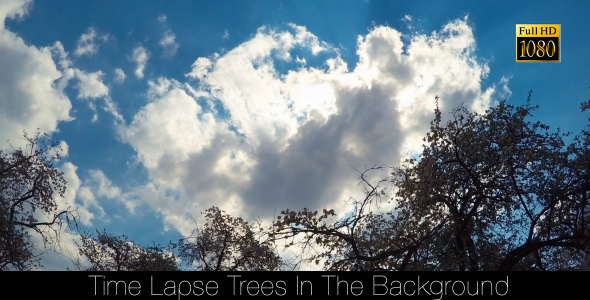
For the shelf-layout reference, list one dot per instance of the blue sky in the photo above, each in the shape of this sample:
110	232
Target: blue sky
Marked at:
257	106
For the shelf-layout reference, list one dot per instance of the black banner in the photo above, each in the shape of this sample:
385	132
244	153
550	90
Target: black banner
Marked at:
386	285
538	49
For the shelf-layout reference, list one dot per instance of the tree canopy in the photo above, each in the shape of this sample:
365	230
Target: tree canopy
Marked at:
29	185
227	243
490	191
106	252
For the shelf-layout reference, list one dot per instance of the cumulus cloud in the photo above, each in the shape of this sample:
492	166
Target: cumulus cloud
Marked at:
306	38
90	85
140	57
105	186
200	68
13	9
64	148
29	97
32	96
101	186
186	134
75	190
289	141
86	45
84	197
32	83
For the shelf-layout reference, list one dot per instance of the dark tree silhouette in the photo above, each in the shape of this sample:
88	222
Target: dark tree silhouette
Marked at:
29	185
226	243
107	252
490	191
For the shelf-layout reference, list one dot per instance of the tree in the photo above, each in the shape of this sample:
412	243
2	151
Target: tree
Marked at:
29	185
107	252
226	243
490	191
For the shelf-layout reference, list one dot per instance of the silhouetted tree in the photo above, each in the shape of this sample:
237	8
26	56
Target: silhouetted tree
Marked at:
490	191
29	185
107	252
226	243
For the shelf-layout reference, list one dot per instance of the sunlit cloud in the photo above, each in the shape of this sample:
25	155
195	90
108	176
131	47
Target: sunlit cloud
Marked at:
140	57
290	140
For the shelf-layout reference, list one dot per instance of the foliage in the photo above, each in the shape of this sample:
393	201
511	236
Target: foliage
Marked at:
490	191
226	243
107	252
29	185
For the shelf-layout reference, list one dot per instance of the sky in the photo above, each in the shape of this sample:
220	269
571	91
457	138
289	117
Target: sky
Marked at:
164	110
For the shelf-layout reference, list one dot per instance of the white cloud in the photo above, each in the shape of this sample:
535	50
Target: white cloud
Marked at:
176	213
85	194
140	57
29	97
504	83
13	9
92	106
306	38
63	255
90	85
101	186
289	141
64	148
87	45
170	123
87	205
169	44
61	251
32	84
409	22
200	68
225	35
111	107
32	96
168	40
105	186
120	75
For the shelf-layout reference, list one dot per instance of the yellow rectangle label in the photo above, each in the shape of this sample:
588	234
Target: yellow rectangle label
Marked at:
538	30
